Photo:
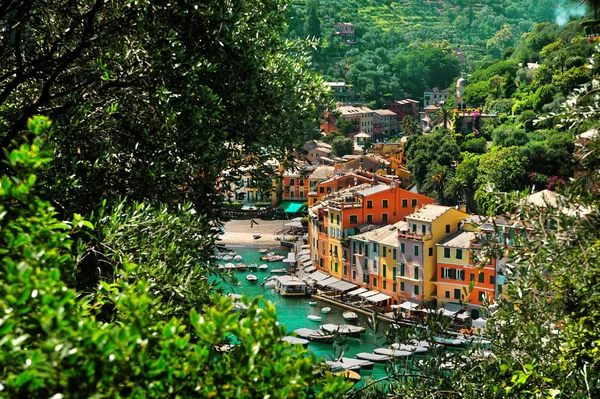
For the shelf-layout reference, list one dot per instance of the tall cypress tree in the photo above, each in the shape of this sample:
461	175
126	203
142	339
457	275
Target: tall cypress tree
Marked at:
313	25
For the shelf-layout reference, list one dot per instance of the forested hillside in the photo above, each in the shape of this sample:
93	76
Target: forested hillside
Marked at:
522	143
404	47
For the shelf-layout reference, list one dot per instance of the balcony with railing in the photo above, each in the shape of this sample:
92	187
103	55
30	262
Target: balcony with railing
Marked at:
413	235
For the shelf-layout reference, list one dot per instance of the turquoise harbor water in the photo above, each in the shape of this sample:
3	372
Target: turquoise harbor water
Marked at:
292	312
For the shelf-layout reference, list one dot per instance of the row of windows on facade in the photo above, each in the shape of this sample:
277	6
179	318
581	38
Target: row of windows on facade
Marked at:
459	275
292	195
385	203
375	249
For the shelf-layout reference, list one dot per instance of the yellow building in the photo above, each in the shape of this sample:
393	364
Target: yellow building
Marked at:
389	255
417	264
375	260
334	233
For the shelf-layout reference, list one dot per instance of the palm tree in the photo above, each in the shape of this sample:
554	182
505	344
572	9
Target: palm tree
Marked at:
409	125
442	115
457	190
437	180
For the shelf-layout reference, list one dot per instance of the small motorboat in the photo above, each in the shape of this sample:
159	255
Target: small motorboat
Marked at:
279	271
237	258
350	316
262	251
253	267
230	266
273	258
326	310
269	284
227	257
241	267
263	267
256	236
312	317
252	278
312	303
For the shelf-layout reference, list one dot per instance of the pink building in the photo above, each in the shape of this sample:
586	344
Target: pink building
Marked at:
345	30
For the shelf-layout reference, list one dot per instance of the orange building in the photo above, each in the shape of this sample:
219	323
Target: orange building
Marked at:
343	180
456	271
295	186
345	213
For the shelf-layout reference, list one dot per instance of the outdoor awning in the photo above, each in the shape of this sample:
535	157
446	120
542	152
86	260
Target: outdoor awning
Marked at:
310	269
303	258
307	262
318	276
408	305
327	282
463	316
378	298
291	258
290	280
292	206
304	252
342	286
357	291
368	294
293	224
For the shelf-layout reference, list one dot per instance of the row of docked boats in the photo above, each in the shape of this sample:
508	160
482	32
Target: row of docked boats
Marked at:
327	332
253	267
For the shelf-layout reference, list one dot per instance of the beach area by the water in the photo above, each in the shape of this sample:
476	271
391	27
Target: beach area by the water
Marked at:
241	232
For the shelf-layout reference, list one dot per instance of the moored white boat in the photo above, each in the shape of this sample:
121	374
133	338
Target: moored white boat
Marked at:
326	310
262	251
392	352
312	303
349	315
237	258
314	318
344	329
251	277
373	357
227	257
263	267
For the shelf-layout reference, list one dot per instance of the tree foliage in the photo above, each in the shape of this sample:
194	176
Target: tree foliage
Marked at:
342	146
60	343
424	152
148	109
